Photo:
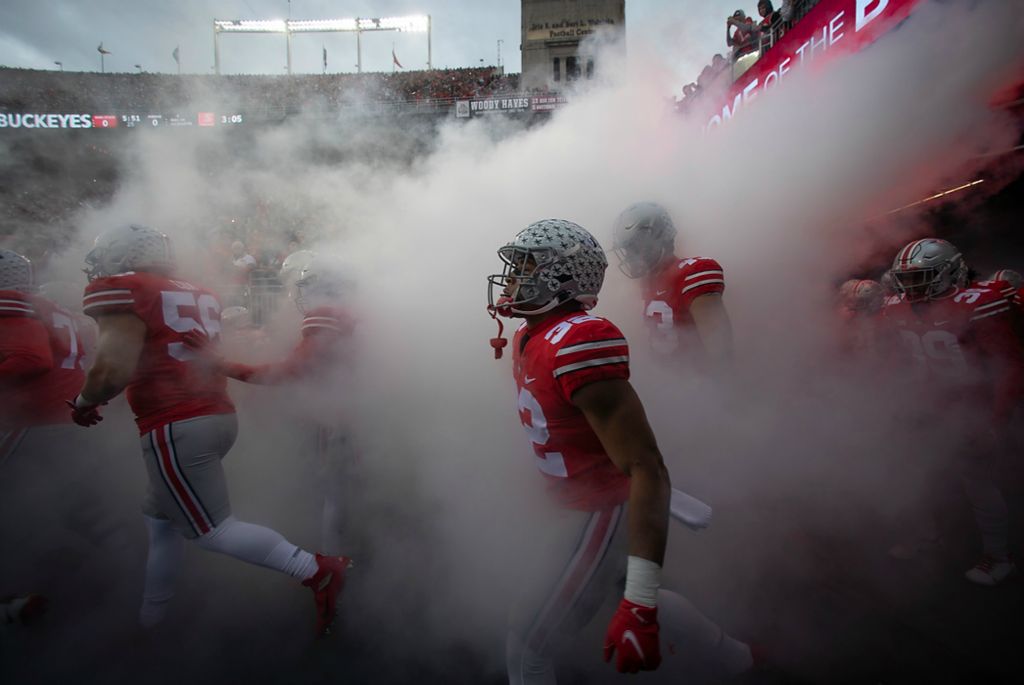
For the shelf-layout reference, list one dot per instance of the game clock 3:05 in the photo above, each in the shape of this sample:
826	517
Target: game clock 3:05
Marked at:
230	118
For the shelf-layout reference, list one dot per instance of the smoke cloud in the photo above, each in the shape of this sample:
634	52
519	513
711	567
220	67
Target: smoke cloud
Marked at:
787	196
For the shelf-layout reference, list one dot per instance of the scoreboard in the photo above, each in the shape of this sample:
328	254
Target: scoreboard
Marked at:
51	120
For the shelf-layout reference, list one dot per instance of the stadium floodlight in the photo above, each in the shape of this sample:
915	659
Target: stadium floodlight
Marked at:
418	23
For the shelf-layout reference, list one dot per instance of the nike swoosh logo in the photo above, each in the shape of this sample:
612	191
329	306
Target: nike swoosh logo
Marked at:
661	292
630	637
527	380
941	323
636	614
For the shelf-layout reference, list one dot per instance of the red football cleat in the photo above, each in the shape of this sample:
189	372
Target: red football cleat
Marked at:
326	584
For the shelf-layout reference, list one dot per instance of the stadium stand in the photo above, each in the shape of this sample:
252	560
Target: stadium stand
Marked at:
51	91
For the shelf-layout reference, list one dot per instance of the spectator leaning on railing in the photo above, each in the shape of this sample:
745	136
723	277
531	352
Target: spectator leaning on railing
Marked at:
744	39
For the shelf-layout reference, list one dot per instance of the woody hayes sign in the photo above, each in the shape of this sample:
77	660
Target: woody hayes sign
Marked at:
499	105
831	27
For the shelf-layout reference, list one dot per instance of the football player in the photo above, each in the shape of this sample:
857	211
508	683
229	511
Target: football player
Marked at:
682	297
961	339
316	361
41	353
859	308
185	418
595	449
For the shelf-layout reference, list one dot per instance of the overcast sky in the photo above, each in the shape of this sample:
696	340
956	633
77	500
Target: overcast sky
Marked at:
36	33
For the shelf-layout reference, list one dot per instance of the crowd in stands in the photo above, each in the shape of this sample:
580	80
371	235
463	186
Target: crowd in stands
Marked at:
26	90
745	36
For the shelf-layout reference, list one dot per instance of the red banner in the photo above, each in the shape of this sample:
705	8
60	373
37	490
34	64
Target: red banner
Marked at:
832	27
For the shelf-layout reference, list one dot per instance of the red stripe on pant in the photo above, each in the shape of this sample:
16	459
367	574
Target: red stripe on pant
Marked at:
578	577
193	509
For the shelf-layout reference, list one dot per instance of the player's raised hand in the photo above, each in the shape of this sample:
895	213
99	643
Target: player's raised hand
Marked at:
633	633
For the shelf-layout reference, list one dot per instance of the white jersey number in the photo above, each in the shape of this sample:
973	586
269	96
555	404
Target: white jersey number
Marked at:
936	352
205	305
664	336
74	358
536	425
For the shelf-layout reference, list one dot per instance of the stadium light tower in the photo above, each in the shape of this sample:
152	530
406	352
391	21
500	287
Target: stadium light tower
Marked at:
408	24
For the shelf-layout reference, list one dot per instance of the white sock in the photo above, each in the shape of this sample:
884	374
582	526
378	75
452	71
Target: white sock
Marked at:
163	567
259	545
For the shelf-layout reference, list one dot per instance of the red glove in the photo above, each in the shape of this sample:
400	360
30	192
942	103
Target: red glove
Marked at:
634	632
84	414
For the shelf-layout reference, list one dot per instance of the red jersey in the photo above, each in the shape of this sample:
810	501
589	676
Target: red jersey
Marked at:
668	295
169	384
964	346
41	352
550	363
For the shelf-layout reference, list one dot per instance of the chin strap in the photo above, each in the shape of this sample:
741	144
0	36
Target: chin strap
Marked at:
499	342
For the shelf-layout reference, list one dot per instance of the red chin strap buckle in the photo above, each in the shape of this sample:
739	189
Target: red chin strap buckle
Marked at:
498	343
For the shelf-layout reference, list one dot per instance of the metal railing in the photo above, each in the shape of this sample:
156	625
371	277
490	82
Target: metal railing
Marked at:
263	295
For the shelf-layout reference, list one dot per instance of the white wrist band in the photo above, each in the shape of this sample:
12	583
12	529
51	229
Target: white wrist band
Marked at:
82	403
643	578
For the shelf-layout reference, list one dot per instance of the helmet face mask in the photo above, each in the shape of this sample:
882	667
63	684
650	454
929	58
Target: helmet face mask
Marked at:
928	269
549	263
16	272
643	237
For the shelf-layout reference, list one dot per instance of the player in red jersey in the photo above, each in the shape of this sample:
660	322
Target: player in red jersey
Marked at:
185	418
859	311
317	361
970	367
592	443
682	297
41	353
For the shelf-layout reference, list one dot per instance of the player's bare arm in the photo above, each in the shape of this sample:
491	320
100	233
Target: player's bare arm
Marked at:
617	416
121	337
714	327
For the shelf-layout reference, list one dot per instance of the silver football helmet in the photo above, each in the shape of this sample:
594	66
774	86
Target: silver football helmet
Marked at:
321	284
548	263
293	265
928	268
129	248
16	272
642	237
1010	276
862	295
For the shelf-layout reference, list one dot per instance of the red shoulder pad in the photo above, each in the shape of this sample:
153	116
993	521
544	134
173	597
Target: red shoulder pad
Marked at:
14	303
699	276
111	295
587	349
989	302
